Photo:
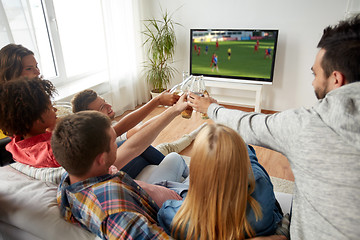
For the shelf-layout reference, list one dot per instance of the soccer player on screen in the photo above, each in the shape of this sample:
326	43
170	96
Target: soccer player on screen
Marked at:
267	53
212	59
215	63
256	48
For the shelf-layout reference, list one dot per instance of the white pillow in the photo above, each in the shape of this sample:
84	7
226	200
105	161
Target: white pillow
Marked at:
30	205
44	174
285	201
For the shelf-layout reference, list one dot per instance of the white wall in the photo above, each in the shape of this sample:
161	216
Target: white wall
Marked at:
300	24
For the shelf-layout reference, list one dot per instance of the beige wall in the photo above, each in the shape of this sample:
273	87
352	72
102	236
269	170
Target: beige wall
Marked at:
300	23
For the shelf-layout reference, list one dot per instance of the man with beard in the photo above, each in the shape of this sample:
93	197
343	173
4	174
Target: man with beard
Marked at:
322	143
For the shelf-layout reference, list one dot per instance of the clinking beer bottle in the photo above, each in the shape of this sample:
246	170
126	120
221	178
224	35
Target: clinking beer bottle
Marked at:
185	87
198	87
204	115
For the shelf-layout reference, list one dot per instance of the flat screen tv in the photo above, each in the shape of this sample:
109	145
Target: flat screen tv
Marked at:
244	55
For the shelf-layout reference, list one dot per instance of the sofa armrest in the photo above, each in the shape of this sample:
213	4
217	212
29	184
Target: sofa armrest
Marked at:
5	156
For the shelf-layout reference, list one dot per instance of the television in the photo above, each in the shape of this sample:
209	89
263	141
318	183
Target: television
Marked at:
244	55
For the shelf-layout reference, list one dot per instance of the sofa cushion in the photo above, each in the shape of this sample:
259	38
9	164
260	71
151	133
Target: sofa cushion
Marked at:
30	205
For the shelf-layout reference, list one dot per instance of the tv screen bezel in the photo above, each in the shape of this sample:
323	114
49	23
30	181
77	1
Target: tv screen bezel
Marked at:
239	79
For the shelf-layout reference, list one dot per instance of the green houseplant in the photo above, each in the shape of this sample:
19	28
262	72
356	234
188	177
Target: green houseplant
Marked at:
160	41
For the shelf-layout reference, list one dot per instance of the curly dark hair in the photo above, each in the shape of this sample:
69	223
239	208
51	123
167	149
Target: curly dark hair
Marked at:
22	102
78	138
342	49
11	61
81	101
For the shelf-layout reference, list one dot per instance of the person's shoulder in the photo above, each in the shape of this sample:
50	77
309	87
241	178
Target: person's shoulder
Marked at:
338	100
260	173
116	179
172	204
119	184
347	90
37	139
64	181
169	209
41	138
167	213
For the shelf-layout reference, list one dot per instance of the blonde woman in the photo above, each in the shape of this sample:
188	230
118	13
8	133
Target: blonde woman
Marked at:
230	194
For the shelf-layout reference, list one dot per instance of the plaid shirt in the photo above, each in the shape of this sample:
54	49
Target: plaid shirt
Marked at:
110	206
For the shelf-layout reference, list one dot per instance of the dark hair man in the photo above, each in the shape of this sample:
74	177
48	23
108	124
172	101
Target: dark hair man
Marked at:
111	206
322	143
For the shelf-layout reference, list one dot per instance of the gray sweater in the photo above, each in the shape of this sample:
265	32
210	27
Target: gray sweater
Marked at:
323	146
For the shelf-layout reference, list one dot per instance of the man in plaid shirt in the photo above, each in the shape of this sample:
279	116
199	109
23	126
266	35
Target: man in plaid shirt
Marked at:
110	206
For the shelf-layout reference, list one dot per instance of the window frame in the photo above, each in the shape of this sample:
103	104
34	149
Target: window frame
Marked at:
62	78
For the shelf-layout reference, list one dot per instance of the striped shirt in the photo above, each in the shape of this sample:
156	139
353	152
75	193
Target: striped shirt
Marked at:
110	206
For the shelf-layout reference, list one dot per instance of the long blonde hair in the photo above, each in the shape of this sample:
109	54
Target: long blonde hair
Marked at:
221	181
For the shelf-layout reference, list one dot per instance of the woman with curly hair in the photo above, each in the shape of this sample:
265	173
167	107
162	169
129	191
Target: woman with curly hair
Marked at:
16	61
230	194
27	114
29	117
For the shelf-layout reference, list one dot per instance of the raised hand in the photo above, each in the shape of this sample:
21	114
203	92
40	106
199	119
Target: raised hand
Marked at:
167	99
200	104
181	104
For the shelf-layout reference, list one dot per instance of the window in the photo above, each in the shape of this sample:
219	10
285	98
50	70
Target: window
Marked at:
44	45
24	22
82	37
81	44
68	42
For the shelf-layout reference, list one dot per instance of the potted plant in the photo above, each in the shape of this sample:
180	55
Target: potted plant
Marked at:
160	41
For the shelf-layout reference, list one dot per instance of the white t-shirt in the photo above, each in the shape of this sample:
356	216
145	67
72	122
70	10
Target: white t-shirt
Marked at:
122	137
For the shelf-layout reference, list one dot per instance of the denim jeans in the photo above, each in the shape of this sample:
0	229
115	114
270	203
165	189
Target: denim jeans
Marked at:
151	156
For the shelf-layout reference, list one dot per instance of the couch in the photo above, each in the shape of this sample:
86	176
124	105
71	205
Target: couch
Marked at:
28	207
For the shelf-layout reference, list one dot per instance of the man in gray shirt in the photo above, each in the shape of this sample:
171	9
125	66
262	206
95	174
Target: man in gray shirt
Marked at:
322	143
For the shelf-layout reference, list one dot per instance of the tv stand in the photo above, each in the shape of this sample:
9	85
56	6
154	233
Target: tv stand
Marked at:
233	93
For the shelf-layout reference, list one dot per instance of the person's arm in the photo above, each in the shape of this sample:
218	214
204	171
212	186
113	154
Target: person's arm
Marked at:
137	128
133	118
132	225
142	139
277	131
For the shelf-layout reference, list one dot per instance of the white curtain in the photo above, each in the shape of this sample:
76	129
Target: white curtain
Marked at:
123	36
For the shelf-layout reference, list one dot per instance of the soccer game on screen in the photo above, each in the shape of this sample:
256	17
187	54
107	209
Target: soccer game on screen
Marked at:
233	53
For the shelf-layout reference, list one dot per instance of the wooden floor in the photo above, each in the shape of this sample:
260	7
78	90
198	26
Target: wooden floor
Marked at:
275	163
